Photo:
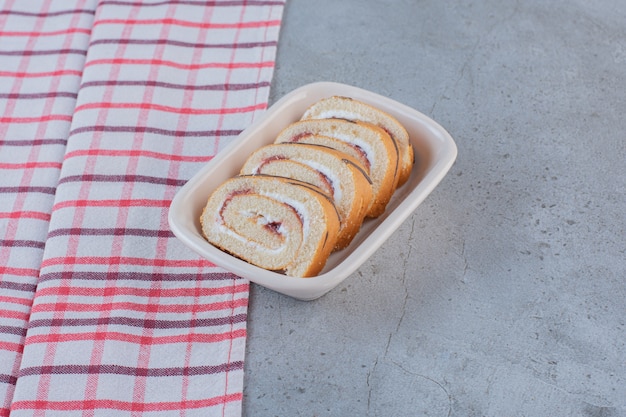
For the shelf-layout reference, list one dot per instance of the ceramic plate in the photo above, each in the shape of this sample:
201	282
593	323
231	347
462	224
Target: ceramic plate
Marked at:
435	152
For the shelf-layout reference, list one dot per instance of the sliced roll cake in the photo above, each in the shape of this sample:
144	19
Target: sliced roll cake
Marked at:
275	223
351	109
367	142
339	174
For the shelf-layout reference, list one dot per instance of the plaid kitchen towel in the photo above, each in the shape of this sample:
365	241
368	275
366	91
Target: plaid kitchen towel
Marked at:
42	52
124	319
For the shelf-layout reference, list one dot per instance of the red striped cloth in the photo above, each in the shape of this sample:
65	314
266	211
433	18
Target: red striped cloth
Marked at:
41	63
124	319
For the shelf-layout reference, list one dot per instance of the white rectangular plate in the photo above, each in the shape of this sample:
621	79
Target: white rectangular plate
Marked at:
435	152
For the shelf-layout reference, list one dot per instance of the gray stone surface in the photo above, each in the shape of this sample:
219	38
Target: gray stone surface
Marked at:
504	293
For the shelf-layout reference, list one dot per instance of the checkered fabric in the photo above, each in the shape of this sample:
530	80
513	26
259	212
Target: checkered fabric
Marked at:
42	53
124	319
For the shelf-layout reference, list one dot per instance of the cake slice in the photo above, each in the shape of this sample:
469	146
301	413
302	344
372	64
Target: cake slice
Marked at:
335	172
351	109
275	223
370	143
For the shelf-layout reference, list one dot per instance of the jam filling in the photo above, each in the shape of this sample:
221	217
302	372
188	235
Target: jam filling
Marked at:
300	136
269	160
273	227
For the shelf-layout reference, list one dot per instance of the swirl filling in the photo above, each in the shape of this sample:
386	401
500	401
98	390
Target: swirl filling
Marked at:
263	225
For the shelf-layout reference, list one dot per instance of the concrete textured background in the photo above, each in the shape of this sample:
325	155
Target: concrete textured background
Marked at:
504	293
